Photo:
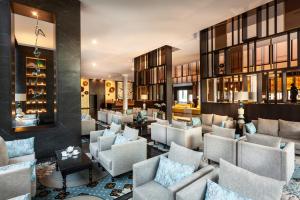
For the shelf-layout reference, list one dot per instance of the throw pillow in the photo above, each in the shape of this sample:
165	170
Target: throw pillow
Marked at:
186	156
170	172
130	133
229	124
250	128
179	124
215	191
16	148
268	126
196	121
218	119
207	119
108	132
21	165
289	129
120	139
115	127
265	140
223	132
248	184
3	153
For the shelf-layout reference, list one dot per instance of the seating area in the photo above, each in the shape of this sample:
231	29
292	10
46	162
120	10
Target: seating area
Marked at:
149	100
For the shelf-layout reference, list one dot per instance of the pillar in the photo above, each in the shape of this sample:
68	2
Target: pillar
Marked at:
125	97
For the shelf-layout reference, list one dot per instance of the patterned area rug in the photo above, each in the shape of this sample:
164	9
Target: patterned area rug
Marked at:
291	191
101	189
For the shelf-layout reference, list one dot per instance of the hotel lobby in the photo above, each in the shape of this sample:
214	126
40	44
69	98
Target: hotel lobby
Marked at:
149	100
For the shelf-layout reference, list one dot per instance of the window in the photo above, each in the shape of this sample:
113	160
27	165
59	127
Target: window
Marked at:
182	96
263	55
293	49
280	52
251	22
252	87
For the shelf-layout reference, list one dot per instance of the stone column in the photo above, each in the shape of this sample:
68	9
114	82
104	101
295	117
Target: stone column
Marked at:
125	97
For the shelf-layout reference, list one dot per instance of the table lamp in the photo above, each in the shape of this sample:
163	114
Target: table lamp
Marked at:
144	97
19	98
241	97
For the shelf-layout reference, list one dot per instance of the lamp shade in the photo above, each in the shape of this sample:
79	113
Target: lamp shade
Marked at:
20	97
144	97
241	96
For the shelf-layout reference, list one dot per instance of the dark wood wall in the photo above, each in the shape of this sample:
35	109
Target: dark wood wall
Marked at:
67	65
97	87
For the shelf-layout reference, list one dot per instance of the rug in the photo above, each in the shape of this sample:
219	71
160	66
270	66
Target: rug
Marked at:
84	197
291	191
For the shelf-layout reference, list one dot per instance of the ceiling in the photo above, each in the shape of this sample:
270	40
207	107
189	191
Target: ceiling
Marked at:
113	32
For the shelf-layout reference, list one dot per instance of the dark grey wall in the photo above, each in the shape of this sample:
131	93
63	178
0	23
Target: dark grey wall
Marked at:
67	58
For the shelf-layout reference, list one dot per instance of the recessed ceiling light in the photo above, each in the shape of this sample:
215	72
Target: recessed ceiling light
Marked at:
94	41
34	13
94	64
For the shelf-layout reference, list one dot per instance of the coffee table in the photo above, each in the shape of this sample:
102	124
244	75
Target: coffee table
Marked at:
72	165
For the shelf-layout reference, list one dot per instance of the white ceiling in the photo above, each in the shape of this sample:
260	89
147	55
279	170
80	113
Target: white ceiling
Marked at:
124	29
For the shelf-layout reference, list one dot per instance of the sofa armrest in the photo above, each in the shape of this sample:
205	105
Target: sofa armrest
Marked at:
197	189
196	137
288	155
145	171
95	134
105	142
15	182
190	179
30	157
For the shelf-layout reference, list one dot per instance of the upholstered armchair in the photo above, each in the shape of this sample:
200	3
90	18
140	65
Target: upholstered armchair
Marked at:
88	125
119	158
221	143
144	186
187	137
159	133
102	115
268	161
15	181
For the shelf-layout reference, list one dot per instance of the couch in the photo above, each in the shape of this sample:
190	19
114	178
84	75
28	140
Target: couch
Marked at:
236	179
221	143
15	182
208	120
289	131
87	125
144	186
262	155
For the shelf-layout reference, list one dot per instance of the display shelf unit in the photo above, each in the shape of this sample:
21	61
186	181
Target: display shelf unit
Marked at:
34	81
256	52
186	73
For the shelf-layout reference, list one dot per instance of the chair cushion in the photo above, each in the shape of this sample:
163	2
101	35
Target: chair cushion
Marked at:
250	128
94	149
265	140
289	129
268	126
17	148
207	119
185	156
108	132
228	124
170	172
248	184
130	133
115	127
116	119
218	119
152	190
179	124
196	121
3	153
106	158
215	191
223	132
120	139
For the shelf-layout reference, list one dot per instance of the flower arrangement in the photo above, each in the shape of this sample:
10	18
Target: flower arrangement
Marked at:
161	107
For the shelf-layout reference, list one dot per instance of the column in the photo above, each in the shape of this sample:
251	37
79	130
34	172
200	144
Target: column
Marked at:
125	97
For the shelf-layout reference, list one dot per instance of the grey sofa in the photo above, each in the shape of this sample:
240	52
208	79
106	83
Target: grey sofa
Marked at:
221	143
87	126
15	182
159	133
144	186
236	179
208	120
289	131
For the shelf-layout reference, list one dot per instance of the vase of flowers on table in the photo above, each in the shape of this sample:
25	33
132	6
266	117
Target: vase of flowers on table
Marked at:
161	107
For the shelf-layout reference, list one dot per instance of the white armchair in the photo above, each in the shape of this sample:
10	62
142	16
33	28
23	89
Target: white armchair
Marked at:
159	133
190	137
267	161
102	115
87	125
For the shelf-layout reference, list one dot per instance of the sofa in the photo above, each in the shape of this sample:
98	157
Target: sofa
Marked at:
220	143
262	155
159	133
119	158
15	181
102	115
208	120
190	137
289	131
87	125
236	179
144	186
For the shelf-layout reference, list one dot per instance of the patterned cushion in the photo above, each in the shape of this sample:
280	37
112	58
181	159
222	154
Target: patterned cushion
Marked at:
3	153
120	139
215	191
21	165
108	132
17	148
250	128
196	121
131	134
115	127
170	172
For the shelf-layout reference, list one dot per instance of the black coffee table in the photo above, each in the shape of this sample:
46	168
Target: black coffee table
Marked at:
72	165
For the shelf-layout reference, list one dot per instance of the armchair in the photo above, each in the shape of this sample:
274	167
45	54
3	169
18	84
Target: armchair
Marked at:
267	161
190	137
87	126
119	158
102	115
144	186
159	133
